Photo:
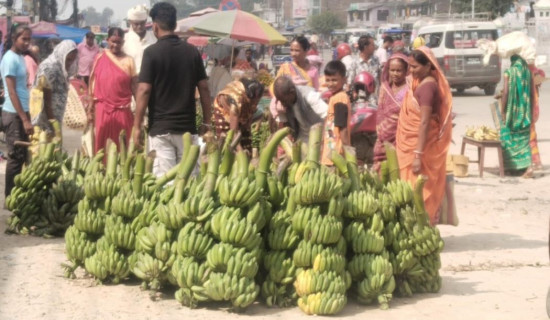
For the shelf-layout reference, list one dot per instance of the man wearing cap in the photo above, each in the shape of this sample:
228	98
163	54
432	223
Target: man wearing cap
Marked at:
138	38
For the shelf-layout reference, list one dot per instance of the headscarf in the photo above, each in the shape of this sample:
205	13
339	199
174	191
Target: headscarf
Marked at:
386	71
57	78
418	42
443	89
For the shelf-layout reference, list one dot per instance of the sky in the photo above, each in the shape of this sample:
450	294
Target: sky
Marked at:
120	7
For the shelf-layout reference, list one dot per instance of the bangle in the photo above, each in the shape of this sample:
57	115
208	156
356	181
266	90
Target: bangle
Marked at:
418	152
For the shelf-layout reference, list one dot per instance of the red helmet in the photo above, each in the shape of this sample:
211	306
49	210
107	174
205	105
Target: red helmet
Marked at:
366	79
343	50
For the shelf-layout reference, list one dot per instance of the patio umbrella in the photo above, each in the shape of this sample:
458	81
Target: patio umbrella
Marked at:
237	25
203	12
198	41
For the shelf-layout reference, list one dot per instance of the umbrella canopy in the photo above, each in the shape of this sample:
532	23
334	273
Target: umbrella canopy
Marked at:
198	41
238	25
203	11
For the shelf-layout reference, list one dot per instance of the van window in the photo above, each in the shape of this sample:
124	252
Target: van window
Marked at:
466	39
433	40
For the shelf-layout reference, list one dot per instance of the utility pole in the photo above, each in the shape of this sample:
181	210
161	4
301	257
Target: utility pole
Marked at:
473	8
75	14
9	14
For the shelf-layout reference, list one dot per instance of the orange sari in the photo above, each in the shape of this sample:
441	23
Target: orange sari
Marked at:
437	143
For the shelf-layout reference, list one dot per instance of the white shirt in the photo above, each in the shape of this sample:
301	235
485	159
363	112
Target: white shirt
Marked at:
349	62
134	46
382	55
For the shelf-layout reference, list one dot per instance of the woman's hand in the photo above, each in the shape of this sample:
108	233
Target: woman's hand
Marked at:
416	165
27	125
299	81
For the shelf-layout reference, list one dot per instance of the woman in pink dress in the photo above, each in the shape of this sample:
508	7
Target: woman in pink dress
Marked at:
112	83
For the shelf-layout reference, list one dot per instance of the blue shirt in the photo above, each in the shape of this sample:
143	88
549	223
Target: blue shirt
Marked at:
13	65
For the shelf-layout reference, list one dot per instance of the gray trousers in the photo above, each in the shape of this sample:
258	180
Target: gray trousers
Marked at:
17	155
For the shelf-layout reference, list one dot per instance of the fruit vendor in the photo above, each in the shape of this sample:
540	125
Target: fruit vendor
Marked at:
302	107
234	108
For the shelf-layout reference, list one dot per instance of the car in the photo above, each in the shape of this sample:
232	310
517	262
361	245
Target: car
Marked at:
454	46
281	54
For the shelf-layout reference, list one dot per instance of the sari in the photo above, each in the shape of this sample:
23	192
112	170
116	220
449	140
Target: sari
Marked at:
438	139
232	100
300	76
111	86
515	133
387	115
535	154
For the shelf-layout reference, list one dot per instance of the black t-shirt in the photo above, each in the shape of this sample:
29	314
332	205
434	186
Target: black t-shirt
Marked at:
173	68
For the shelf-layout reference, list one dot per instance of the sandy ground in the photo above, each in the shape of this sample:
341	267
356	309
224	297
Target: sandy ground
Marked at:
495	263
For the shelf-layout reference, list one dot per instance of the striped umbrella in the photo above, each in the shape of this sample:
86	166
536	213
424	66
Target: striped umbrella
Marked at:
238	25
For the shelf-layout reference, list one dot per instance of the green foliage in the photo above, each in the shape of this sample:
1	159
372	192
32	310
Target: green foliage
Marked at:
495	7
93	17
324	23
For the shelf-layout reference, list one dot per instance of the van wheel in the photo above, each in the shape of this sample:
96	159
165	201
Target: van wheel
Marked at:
490	90
460	90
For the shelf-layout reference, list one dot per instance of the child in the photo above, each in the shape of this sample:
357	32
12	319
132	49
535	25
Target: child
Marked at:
336	132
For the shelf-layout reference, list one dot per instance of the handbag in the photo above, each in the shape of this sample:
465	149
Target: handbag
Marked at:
75	114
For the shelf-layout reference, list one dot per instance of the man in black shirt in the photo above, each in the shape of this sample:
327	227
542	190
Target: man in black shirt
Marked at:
170	72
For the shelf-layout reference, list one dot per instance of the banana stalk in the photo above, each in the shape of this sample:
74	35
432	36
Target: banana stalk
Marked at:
126	169
167	177
131	143
122	152
267	154
340	163
393	164
185	169
187	142
42	141
49	151
212	170
149	161
352	168
241	169
288	147
75	165
314	145
112	158
138	175
384	172
58	137
227	154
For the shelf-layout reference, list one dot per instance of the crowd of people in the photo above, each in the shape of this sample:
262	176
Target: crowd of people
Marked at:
147	82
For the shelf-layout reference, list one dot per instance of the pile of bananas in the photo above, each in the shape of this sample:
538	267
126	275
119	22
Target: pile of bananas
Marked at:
483	133
277	289
31	190
322	281
61	206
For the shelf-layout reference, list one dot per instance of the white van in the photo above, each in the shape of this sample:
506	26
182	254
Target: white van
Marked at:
454	46
382	29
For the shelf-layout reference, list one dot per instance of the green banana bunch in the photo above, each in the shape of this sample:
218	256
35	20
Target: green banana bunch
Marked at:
367	294
375	224
66	191
247	297
401	192
149	213
388	235
309	282
387	207
190	297
336	206
353	230
405	262
197	208
298	173
281	295
188	272
427	241
223	286
306	252
119	233
99	187
361	205
59	215
368	242
240	233
90	222
280	266
171	215
78	246
323	230
322	303
303	215
95	267
317	186
238	192
107	261
149	269
371	180
148	237
193	242
329	261
222	216
282	237
281	217
259	214
126	204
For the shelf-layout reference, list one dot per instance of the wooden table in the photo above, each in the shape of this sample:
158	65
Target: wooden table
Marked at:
481	145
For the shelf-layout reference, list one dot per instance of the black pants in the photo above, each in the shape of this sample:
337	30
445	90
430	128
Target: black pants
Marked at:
17	155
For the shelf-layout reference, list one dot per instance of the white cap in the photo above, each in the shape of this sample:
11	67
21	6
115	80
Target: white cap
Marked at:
138	13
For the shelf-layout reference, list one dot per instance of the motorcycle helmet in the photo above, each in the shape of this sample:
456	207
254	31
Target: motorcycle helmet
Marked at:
365	80
343	50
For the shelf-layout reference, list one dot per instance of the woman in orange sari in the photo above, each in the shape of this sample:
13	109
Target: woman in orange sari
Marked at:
424	129
112	84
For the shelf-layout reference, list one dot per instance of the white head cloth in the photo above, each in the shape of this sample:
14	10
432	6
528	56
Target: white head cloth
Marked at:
138	13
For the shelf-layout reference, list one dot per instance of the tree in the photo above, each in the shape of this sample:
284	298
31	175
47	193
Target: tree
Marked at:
495	7
91	16
324	23
106	16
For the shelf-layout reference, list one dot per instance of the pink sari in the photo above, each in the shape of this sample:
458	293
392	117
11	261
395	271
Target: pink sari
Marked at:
112	92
